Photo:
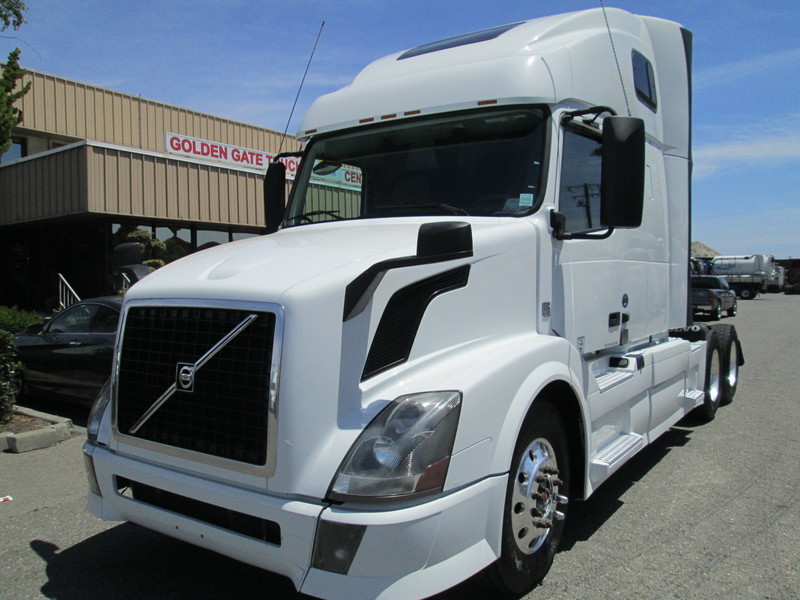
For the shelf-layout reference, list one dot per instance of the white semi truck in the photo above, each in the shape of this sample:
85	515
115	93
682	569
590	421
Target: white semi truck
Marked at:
472	312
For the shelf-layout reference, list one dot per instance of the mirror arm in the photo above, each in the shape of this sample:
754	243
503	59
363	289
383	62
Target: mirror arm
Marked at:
558	223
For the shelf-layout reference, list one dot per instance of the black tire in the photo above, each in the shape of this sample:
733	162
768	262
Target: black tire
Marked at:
536	502
712	387
747	293
716	314
732	310
730	351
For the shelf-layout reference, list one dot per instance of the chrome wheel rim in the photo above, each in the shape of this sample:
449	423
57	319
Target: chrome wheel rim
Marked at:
714	378
535	497
732	375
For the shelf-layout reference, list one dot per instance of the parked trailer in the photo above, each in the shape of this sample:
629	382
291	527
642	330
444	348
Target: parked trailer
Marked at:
747	274
471	314
778	279
791	280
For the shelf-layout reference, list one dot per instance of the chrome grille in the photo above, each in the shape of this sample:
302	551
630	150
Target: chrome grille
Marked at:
226	412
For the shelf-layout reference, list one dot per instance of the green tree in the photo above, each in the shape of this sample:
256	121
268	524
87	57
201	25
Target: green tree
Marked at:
11	15
10	115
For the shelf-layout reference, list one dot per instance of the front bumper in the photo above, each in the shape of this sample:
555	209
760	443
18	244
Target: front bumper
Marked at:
410	552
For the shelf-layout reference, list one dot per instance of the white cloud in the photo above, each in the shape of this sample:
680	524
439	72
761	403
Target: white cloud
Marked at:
771	150
748	67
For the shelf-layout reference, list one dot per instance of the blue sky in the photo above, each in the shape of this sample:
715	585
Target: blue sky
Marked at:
244	60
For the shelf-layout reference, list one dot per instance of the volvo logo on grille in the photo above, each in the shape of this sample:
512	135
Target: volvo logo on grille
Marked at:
185	377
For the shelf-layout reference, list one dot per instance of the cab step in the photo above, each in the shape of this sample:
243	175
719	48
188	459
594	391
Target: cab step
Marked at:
613	455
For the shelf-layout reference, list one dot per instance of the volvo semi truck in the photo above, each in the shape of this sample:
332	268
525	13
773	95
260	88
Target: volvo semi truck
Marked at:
471	312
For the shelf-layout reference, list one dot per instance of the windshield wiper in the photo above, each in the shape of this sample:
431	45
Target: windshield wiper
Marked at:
307	216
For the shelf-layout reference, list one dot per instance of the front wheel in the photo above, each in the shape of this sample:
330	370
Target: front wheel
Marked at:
536	504
732	310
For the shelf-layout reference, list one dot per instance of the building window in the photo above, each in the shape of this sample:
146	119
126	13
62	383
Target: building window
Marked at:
17	150
644	80
206	238
177	242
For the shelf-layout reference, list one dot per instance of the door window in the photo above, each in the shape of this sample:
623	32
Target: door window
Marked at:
75	319
579	194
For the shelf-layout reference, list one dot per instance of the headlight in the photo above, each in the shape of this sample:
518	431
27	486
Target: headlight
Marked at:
405	450
98	409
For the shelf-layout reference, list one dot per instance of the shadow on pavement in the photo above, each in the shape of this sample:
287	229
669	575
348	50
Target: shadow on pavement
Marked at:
129	561
585	518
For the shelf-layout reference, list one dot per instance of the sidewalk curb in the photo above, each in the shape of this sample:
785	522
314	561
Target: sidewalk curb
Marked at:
58	430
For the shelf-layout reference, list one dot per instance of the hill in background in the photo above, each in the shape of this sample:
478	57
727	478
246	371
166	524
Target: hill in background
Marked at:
700	250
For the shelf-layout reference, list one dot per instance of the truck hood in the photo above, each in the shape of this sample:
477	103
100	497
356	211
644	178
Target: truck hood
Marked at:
265	268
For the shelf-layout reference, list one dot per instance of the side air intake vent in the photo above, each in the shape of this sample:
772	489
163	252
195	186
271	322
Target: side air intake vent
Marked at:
400	321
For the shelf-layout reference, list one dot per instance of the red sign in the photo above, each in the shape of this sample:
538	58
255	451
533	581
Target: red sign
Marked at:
225	154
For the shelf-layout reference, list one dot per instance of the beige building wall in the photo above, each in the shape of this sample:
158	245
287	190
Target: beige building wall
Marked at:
120	166
74	110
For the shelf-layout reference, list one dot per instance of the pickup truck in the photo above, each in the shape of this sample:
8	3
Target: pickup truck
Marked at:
711	295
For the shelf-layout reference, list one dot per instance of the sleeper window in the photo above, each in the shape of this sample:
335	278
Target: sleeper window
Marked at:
644	80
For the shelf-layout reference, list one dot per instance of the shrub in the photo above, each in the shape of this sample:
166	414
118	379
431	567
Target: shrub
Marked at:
9	367
153	263
14	320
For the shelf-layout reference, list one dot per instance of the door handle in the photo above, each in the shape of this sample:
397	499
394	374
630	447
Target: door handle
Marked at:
616	319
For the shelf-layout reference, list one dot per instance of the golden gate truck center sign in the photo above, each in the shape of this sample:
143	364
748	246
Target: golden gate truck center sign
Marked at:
225	154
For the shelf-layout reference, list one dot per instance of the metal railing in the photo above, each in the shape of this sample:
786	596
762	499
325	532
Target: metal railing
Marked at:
66	295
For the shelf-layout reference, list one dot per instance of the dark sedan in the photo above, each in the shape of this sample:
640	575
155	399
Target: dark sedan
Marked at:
70	355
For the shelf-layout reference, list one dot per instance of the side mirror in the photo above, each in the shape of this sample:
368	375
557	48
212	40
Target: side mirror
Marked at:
34	329
274	195
622	183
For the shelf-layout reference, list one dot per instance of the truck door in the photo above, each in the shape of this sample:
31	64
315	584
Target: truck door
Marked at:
602	280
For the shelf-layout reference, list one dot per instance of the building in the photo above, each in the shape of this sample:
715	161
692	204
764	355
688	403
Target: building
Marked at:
90	165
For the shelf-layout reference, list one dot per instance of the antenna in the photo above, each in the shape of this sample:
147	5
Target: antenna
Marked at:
616	60
302	81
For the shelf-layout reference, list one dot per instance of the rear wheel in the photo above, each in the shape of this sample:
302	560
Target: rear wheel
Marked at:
728	342
732	310
716	314
536	504
747	293
712	387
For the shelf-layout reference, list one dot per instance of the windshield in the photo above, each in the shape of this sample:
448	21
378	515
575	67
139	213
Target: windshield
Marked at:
478	163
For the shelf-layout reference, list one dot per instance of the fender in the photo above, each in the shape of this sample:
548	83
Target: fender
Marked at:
562	365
